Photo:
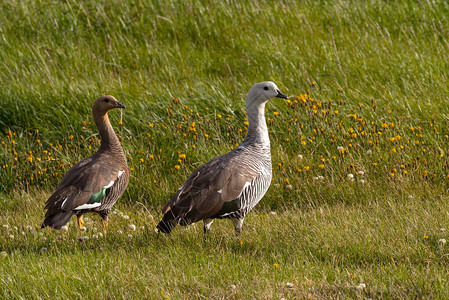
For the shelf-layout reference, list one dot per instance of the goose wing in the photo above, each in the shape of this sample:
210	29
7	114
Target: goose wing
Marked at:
84	185
210	187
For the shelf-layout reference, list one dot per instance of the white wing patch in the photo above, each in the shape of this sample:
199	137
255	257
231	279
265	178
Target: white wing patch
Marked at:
63	201
87	206
109	185
120	173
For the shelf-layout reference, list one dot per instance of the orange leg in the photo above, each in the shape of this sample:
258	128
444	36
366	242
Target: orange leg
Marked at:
80	221
105	224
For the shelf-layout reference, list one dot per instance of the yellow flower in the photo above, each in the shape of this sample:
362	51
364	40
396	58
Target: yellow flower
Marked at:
182	156
276	266
177	167
321	166
151	156
219	116
275	113
141	160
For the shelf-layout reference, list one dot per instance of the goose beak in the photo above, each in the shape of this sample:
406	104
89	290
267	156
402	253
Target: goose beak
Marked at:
120	105
281	95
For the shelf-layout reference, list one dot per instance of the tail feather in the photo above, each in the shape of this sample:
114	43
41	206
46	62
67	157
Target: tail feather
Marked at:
58	220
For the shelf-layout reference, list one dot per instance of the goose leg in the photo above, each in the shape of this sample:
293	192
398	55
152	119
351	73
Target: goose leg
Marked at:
80	221
207	224
105	224
237	225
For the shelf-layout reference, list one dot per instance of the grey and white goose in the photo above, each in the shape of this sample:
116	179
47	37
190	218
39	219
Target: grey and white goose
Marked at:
228	186
95	183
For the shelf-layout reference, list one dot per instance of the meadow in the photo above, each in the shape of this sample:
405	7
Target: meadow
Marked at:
358	206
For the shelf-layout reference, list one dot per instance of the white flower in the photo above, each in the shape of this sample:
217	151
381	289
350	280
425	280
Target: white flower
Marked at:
6	226
289	285
441	242
233	286
11	236
82	238
64	228
126	217
83	228
362	181
361	173
350	176
132	227
442	229
130	236
340	148
28	228
300	156
360	287
4	253
369	152
273	212
289	187
97	236
119	232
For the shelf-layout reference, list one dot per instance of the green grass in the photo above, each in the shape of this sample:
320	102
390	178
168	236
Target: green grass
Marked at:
369	98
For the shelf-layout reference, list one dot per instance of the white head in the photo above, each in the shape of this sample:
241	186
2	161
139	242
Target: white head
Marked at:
262	92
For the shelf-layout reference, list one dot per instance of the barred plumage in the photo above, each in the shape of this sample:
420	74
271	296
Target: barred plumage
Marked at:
230	185
95	183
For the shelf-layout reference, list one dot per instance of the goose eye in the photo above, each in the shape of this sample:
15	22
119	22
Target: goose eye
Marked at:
106	100
265	88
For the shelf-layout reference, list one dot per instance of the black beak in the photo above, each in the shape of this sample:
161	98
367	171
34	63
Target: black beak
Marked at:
119	105
280	95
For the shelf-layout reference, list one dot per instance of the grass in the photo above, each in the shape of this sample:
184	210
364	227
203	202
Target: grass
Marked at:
359	151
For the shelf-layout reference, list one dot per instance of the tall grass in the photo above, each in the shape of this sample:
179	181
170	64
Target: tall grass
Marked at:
359	151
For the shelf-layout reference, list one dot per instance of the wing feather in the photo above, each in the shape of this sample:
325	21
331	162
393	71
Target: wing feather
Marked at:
84	179
209	187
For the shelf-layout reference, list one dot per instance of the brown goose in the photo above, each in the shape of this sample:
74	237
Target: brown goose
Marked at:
228	186
95	183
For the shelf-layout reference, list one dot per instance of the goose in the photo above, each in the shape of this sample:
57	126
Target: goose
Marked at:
228	186
95	183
